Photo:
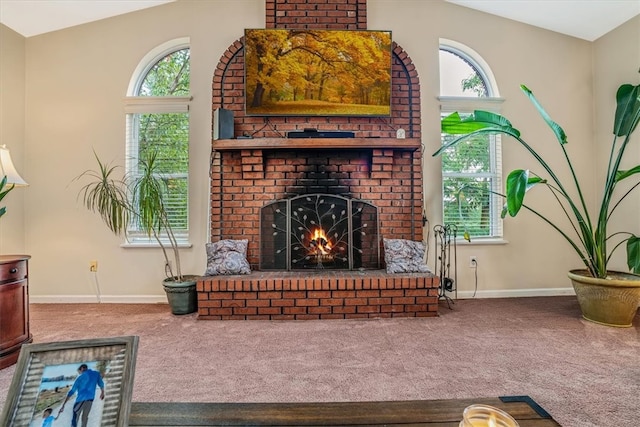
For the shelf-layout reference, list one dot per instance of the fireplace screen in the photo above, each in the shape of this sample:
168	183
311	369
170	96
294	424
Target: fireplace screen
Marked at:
319	231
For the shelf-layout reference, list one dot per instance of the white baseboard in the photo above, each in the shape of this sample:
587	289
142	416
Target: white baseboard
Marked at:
514	293
92	299
162	299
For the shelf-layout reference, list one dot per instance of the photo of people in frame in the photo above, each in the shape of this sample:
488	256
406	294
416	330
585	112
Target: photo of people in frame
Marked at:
78	383
71	395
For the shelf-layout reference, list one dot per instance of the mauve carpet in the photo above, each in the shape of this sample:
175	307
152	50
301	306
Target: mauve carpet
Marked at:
583	374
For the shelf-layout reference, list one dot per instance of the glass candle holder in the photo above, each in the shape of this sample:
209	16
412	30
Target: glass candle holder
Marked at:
486	416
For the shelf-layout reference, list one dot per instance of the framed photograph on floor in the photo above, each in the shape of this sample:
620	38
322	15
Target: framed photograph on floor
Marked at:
90	380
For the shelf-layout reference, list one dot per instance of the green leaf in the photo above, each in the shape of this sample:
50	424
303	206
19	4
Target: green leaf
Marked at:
620	175
148	192
633	254
561	136
106	196
479	122
518	183
4	190
454	125
627	110
516	188
3	193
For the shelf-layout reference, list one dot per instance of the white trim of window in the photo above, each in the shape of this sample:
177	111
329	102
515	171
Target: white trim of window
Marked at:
497	202
144	242
157	104
137	238
134	105
449	104
477	241
476	60
493	102
151	58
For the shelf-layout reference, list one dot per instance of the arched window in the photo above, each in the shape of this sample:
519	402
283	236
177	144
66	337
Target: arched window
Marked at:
157	108
471	171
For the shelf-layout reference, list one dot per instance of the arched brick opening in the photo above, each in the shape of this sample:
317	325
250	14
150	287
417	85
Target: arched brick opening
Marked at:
228	92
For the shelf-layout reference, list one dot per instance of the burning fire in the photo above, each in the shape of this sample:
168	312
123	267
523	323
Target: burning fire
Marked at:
319	242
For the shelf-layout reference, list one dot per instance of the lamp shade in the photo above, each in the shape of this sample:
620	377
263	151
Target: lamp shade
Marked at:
7	169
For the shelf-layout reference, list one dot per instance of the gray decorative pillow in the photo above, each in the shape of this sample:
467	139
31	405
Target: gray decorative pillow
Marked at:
227	257
404	256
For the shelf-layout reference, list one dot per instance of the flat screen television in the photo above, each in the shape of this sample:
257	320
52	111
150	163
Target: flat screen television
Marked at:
317	72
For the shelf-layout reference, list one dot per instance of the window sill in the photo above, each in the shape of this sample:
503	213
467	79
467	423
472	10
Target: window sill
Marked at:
480	241
130	245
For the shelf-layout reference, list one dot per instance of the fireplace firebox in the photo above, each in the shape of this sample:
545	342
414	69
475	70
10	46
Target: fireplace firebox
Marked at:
319	231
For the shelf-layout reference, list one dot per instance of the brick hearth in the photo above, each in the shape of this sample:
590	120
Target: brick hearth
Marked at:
316	295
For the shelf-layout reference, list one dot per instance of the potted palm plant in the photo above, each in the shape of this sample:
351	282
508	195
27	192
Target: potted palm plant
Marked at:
605	296
141	198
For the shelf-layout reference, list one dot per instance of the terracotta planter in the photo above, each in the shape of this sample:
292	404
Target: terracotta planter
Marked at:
182	296
612	301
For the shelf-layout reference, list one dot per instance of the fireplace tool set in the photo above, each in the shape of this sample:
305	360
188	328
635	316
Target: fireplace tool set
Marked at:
445	237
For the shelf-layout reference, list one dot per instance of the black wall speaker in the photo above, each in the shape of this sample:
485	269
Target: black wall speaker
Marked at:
222	124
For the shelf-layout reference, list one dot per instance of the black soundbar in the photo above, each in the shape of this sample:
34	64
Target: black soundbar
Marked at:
320	134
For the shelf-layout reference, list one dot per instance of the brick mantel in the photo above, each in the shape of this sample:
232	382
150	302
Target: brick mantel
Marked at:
315	143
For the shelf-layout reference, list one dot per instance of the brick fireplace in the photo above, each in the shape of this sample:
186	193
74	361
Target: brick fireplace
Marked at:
375	167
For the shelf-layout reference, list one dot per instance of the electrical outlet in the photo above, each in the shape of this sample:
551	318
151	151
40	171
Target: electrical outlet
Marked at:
93	266
473	261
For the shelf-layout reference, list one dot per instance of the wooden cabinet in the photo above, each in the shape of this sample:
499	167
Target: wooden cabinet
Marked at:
14	307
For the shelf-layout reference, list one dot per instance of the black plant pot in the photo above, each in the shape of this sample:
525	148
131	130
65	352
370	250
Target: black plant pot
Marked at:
182	295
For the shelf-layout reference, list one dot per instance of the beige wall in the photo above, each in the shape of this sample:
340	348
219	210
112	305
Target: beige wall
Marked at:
12	125
76	80
616	62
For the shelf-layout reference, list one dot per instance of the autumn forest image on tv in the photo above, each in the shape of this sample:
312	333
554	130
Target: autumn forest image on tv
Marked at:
317	72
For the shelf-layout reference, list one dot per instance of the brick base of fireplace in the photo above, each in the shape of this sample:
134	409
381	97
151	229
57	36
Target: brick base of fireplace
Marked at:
317	295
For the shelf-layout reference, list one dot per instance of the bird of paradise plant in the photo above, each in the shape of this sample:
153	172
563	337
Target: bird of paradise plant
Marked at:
588	232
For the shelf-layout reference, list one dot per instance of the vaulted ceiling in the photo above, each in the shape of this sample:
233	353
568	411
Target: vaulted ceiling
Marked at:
585	19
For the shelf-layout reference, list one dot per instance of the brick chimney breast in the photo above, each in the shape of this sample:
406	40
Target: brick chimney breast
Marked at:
244	179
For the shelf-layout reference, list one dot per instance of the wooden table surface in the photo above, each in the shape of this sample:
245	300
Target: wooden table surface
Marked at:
441	413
